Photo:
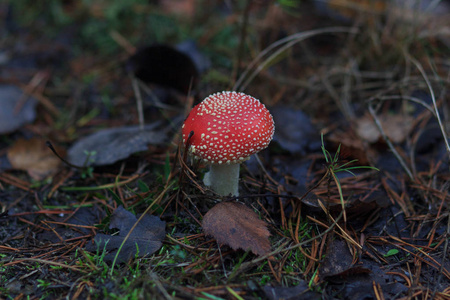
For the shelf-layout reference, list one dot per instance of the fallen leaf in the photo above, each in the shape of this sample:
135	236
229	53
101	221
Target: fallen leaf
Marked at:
353	147
35	157
339	261
396	127
146	237
300	291
356	281
238	226
16	109
295	131
108	146
430	139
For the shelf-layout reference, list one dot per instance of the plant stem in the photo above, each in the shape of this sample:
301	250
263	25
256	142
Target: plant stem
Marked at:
223	179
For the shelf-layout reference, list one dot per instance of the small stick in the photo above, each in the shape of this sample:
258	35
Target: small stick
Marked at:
137	93
49	144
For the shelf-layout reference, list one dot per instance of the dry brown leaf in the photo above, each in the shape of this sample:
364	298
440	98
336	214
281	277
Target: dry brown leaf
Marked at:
238	226
185	8
353	147
396	127
352	9
35	157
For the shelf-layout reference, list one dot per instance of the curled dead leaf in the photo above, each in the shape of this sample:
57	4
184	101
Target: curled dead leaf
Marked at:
35	157
396	127
238	226
338	261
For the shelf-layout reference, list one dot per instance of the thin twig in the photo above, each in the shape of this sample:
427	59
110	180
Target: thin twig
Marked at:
139	102
388	141
283	45
433	98
281	249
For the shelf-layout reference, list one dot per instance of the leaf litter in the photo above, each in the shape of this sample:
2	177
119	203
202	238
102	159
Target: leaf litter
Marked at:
145	239
35	157
108	146
287	133
237	226
16	109
74	225
300	291
397	127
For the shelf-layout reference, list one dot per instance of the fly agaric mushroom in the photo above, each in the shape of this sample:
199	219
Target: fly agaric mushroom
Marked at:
227	128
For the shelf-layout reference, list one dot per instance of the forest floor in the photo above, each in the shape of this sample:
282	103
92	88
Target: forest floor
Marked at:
100	199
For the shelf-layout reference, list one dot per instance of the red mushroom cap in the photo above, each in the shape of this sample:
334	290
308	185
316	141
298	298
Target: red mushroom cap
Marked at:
228	128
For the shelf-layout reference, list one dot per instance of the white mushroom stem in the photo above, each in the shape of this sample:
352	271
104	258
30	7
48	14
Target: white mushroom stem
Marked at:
223	179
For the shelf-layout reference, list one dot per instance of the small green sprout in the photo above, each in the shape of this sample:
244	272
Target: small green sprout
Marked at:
391	252
334	167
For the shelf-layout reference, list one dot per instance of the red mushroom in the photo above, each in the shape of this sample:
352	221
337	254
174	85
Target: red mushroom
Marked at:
228	128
